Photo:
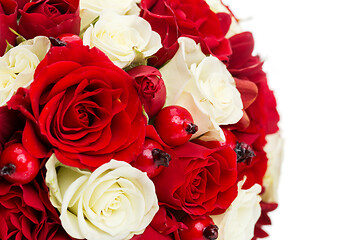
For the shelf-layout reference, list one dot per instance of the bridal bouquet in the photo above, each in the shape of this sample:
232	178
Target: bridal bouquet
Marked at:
134	120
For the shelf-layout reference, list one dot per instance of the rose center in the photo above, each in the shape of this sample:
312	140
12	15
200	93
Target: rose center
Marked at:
83	115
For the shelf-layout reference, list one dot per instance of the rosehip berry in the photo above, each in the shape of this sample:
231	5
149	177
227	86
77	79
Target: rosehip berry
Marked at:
175	125
17	165
199	229
230	140
70	38
64	39
153	159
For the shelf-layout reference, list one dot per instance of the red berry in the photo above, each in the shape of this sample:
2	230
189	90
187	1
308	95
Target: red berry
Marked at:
175	125
230	140
153	159
70	38
17	165
199	229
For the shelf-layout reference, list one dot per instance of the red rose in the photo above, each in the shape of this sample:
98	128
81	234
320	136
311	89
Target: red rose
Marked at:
10	122
261	116
85	108
8	19
243	66
26	213
186	18
164	226
150	87
21	3
264	220
200	181
49	18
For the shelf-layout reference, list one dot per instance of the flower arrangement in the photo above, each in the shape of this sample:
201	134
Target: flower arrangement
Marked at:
132	119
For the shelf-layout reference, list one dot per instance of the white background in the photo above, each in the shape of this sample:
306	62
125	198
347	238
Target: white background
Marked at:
311	50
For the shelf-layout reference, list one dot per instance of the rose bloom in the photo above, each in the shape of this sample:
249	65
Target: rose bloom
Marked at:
203	86
164	226
238	222
91	9
262	114
203	180
115	201
18	65
10	123
85	108
124	39
222	10
274	152
21	3
150	87
49	18
26	213
8	19
185	18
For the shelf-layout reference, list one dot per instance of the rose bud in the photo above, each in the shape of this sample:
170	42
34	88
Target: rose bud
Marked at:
49	18
150	87
8	19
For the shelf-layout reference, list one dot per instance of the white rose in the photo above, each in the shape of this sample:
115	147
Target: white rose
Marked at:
91	9
217	6
204	86
238	221
274	153
18	65
123	39
114	202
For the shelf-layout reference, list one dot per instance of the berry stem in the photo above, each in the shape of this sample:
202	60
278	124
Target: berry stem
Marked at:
160	157
244	153
211	232
8	169
191	128
57	42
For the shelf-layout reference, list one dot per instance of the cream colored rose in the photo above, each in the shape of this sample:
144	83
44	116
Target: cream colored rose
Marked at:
204	86
123	39
238	221
18	65
217	6
274	152
114	202
91	9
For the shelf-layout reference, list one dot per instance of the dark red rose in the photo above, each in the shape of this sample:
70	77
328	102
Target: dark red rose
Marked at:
21	3
49	18
245	67
163	226
84	108
150	233
260	115
150	87
264	220
10	122
26	213
203	180
8	19
186	18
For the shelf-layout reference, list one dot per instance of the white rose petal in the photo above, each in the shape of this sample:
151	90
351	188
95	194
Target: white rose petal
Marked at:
18	65
274	153
90	9
123	39
114	202
238	221
204	86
